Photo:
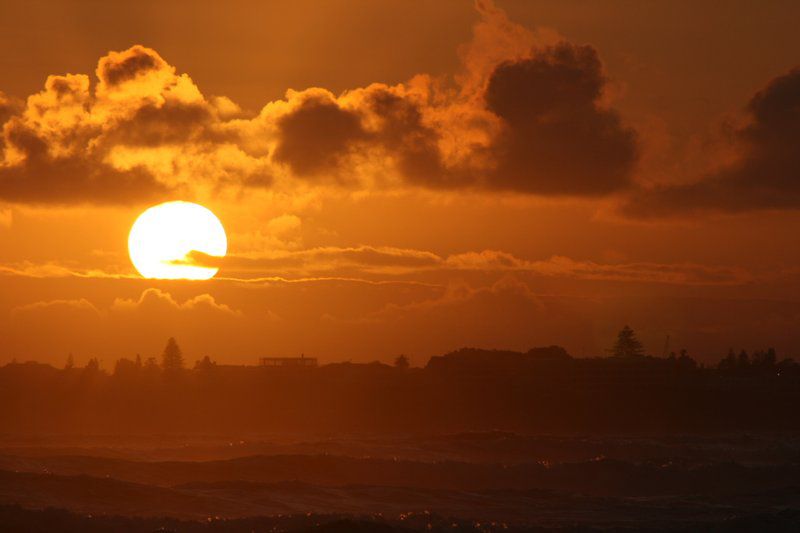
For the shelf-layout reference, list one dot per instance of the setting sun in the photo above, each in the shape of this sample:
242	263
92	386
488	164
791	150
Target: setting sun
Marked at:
165	235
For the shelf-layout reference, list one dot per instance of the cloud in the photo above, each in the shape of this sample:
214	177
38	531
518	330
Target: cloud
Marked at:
379	135
322	259
126	325
464	315
67	306
766	175
641	272
136	63
8	107
522	115
316	135
511	291
157	301
141	134
557	139
644	272
29	269
6	218
44	178
537	126
389	261
527	113
151	301
50	155
377	264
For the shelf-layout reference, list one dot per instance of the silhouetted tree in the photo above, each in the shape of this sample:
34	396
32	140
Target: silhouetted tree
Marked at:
150	368
92	366
401	362
744	360
770	358
172	357
138	361
70	364
205	364
729	363
627	345
125	367
686	362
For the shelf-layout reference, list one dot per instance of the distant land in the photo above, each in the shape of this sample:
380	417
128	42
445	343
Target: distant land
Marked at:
541	390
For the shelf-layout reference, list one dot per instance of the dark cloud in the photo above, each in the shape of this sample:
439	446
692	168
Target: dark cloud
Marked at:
557	138
119	67
766	176
404	134
8	107
170	123
85	178
322	136
316	136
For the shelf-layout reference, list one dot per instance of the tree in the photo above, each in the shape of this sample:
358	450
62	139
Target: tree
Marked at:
401	362
172	358
151	368
744	360
770	358
92	366
729	363
205	364
685	361
70	362
125	367
627	345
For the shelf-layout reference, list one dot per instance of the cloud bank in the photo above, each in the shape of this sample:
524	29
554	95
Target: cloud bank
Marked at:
523	115
528	113
766	173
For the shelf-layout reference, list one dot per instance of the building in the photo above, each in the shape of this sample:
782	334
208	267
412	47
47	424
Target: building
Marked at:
301	361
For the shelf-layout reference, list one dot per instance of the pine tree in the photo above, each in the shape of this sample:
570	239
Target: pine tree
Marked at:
70	364
172	358
92	366
627	345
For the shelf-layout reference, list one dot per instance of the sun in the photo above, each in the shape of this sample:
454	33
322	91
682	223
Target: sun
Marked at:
164	235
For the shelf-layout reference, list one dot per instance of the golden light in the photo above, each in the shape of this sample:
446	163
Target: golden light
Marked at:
164	235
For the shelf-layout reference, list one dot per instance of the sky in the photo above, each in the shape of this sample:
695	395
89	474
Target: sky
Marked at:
402	176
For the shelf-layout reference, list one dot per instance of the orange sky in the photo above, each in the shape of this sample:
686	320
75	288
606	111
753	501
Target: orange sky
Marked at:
403	176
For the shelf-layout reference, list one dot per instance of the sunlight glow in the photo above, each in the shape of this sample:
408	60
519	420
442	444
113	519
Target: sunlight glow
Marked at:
165	234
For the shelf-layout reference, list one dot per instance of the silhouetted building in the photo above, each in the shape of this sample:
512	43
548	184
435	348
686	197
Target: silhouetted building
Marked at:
301	361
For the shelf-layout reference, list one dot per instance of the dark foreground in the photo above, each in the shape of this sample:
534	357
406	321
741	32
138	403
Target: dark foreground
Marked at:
17	519
475	441
484	481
